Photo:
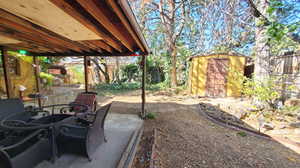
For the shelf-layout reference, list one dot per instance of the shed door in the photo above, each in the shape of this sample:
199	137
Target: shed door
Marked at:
217	70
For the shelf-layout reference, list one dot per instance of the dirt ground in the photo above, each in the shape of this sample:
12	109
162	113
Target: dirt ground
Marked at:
186	139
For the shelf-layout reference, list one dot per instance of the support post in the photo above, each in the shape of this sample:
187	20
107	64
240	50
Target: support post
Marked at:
37	79
143	66
9	90
86	78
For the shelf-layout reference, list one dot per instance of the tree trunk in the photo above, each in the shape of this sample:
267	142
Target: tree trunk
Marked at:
104	72
118	70
262	48
174	68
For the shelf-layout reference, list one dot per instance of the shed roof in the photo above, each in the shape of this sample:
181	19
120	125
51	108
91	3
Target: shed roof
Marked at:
212	54
71	28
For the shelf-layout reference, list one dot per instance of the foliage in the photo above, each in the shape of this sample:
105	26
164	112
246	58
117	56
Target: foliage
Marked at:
77	70
130	72
283	25
25	58
122	86
290	109
267	90
114	88
48	78
150	115
242	133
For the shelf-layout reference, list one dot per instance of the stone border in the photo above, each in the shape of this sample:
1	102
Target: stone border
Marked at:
154	152
231	125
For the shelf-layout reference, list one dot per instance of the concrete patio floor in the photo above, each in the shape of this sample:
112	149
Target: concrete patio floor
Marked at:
118	129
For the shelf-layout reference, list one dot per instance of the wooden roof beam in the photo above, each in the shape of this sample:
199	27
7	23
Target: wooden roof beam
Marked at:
29	46
102	14
73	10
125	22
29	39
95	48
102	45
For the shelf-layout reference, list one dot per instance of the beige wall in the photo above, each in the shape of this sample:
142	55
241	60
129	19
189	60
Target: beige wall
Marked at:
26	78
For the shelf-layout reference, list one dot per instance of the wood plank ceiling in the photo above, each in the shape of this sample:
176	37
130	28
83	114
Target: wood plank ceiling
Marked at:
70	28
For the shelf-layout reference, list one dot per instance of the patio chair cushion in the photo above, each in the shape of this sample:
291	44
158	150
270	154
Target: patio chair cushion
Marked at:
85	99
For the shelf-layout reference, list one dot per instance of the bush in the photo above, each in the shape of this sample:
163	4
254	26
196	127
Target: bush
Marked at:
266	91
48	78
150	115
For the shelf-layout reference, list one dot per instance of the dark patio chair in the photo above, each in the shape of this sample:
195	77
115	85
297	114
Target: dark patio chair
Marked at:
13	106
83	136
25	149
9	107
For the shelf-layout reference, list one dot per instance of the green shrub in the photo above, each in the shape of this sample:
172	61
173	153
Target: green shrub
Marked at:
47	77
266	91
151	115
242	134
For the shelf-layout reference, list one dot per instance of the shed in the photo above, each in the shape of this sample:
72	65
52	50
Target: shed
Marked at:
215	75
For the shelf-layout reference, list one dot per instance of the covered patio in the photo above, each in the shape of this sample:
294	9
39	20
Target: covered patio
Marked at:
81	28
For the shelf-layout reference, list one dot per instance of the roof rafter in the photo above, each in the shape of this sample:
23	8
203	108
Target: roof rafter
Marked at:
123	19
102	14
72	9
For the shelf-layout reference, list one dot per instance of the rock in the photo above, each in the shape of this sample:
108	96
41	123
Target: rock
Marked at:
291	114
297	131
282	126
295	124
268	126
280	118
241	114
292	102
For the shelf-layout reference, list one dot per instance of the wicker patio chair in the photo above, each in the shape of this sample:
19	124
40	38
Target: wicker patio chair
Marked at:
25	149
9	107
83	136
13	106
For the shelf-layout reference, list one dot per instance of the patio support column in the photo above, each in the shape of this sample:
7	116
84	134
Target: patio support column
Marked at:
86	78
37	78
6	73
143	66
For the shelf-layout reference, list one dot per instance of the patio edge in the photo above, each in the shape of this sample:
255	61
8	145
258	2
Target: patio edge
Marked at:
128	155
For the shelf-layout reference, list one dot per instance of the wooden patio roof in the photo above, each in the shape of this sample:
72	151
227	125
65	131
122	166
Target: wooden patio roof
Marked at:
70	28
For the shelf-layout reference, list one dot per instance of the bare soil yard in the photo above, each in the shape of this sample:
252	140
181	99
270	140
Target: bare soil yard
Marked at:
186	139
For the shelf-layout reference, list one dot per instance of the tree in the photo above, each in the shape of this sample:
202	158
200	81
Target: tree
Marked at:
102	66
273	28
262	47
171	15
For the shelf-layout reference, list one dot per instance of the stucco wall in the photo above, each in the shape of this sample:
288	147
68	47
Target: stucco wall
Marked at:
198	71
26	78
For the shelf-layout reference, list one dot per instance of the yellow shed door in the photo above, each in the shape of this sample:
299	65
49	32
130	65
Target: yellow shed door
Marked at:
217	71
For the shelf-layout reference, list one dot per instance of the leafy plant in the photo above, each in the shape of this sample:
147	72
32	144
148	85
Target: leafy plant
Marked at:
150	115
48	78
266	91
242	134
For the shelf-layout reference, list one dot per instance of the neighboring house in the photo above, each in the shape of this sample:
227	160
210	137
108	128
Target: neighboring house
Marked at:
216	75
21	73
286	68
